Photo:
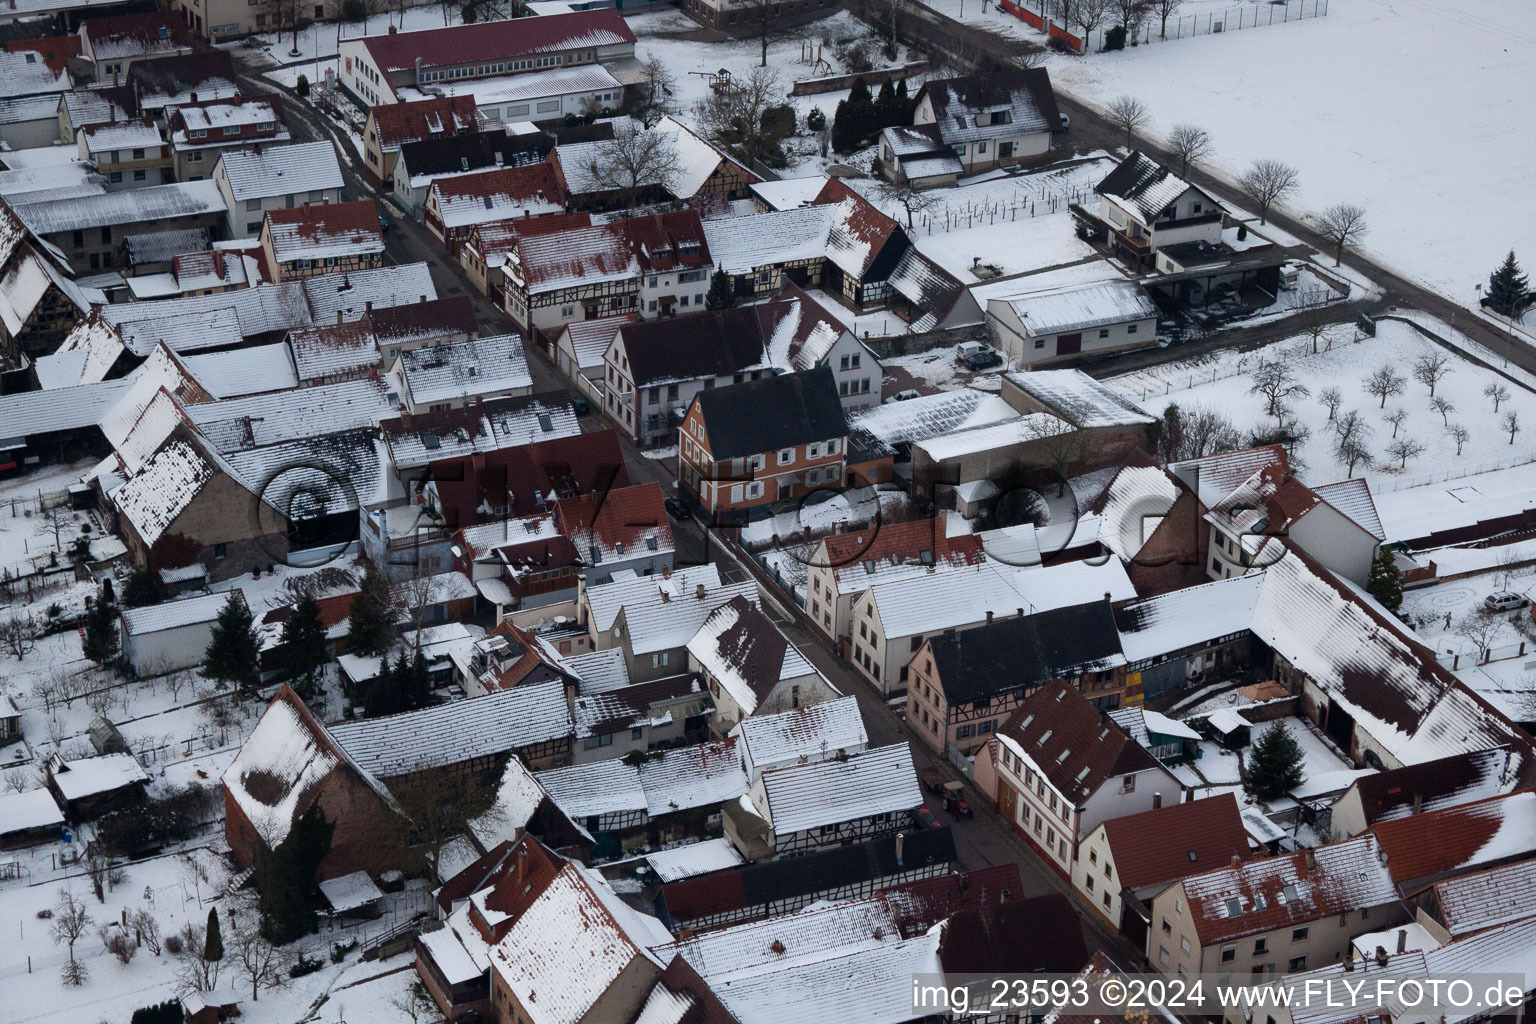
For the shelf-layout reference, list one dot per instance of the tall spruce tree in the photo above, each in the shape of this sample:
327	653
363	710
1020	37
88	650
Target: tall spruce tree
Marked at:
101	643
417	688
213	942
143	588
371	629
1508	288
722	294
304	651
286	878
1274	766
234	650
1385	582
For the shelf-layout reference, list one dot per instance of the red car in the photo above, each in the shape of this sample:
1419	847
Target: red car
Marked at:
925	818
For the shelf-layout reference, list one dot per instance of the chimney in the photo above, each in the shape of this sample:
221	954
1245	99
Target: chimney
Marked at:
1002	897
1107	599
1381	956
989	616
522	863
1418	802
393	30
1402	940
368	306
1310	859
338	318
1349	963
422	298
1157	800
194	97
1237	861
901	845
666	596
698	592
477	461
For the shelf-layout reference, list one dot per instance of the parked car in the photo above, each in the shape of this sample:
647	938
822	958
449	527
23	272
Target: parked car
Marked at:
986	359
580	406
677	508
1505	601
902	396
926	818
1066	122
966	349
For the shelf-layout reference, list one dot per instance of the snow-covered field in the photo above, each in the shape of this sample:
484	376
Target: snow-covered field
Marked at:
1417	111
1222	381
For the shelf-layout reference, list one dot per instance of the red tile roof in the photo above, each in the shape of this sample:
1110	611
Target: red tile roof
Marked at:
500	236
325	229
1168	843
499	40
927	901
1075	746
514	476
434	317
56	50
668	241
903	541
623	515
400	123
1436	844
863	226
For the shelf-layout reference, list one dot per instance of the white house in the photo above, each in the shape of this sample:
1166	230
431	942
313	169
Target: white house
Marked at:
161	638
275	178
1145	206
1039	328
988	120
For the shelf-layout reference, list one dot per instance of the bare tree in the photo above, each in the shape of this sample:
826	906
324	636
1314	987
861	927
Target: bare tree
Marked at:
1343	224
1088	15
18	635
1384	383
1059	442
1164	9
19	780
912	200
1188	142
733	116
1127	113
1498	392
195	973
319	582
1331	399
1396	418
1267	182
1352	451
1128	13
1458	433
1443	406
117	942
255	959
440	805
1510	425
71	917
1277	382
653	98
415	1002
1429	369
1204	432
146	929
1481	628
1403	449
635	159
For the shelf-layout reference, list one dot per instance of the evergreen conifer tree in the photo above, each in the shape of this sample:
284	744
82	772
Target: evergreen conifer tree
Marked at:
101	643
213	943
1385	583
371	625
722	294
143	588
304	651
233	650
1274	766
1508	288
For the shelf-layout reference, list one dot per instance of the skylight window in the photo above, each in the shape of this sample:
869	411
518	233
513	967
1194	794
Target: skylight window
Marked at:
1234	908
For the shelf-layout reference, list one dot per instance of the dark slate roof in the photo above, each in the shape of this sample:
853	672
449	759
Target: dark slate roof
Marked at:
1011	655
570	135
708	344
1064	734
772	413
925	902
1042	934
1026	92
182	73
474	152
1144	183
754	885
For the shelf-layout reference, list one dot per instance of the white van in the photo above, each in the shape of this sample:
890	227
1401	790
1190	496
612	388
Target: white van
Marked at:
966	348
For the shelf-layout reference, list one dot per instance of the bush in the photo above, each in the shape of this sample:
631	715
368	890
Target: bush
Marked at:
173	944
305	964
1242	232
468	14
815	120
353	10
168	1012
302	86
1114	39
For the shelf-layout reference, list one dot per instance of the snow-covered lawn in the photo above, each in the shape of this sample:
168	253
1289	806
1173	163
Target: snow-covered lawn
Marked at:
323	39
1222	380
1414	111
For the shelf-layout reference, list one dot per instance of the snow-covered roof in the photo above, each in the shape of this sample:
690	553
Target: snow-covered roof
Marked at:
458	731
465	370
350	892
740	245
40	412
590	338
244	371
530	85
694	859
951	597
495	194
350	294
450	957
142	133
20	812
997	104
607	600
190	611
926	416
576	258
90	776
28	73
1008	433
131	206
1187	618
705	775
281	170
325	231
153	499
816	732
742	650
1079	399
1353	498
334	349
1132	506
1079	307
696	159
1142	187
1140	723
657	624
789	193
881	780
259	420
570	946
1483	900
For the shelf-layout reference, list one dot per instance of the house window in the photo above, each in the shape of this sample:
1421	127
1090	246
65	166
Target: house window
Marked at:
1228	954
138	176
1090	883
1128	784
567	310
1184	945
252	205
1260	947
981	148
1039	343
786	456
1299	935
220	550
1296	963
1103	332
1131	328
